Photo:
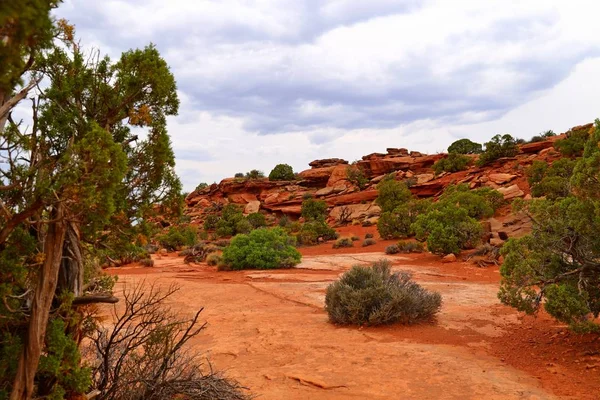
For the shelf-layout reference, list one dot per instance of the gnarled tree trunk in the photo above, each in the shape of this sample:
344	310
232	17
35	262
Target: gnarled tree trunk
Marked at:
40	308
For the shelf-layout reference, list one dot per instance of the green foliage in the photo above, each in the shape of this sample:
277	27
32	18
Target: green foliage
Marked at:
574	144
392	194
210	223
398	223
314	210
254	174
410	247
357	177
557	264
448	229
343	242
480	203
310	232
551	181
257	220
455	162
262	249
282	172
465	146
59	371
179	236
201	186
375	296
498	147
239	175
213	259
232	222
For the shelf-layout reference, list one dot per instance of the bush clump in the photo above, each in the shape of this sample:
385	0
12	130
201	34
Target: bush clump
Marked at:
552	181
343	242
357	177
453	163
369	242
257	220
573	144
498	147
369	235
410	247
232	222
213	259
254	174
465	146
398	223
179	236
282	172
312	231
262	249
375	296
392	249
147	262
314	210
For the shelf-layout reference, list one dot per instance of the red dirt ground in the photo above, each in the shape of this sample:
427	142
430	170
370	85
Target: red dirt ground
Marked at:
269	330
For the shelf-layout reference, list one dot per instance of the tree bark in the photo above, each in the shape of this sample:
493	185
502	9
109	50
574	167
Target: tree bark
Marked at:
70	276
40	309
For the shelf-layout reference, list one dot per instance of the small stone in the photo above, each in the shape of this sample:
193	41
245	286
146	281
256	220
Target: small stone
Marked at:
449	258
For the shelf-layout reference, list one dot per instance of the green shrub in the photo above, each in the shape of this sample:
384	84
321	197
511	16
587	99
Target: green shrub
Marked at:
369	242
369	235
311	231
239	175
392	194
573	144
201	185
357	177
410	247
398	224
453	163
282	172
551	181
498	147
492	197
465	146
231	223
283	221
343	242
448	229
147	262
179	236
210	223
313	210
374	296
261	249
213	259
255	174
477	203
257	220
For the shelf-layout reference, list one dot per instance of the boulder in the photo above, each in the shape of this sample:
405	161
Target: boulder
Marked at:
338	174
535	147
317	174
353	198
511	192
424	178
327	162
500	179
252	207
449	258
355	211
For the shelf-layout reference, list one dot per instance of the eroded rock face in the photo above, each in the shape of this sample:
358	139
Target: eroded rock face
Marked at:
327	180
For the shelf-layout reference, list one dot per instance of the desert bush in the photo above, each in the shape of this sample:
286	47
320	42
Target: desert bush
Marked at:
356	176
198	252
147	262
257	220
398	223
454	162
213	259
210	223
410	247
374	296
392	194
343	242
498	147
392	249
369	235
551	181
222	243
313	210
239	175
355	238
448	229
282	172
283	221
311	231
573	144
179	236
262	249
369	242
231	223
478	203
144	354
201	185
465	146
254	174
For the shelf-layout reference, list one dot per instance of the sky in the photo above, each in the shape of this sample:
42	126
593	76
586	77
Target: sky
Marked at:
263	82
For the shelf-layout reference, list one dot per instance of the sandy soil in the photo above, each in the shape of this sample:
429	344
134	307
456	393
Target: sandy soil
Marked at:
268	330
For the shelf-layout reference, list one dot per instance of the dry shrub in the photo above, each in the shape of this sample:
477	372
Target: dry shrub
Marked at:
410	247
213	259
369	242
343	242
374	296
147	262
143	356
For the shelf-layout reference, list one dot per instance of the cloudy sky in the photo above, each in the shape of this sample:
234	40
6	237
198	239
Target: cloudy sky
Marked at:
269	81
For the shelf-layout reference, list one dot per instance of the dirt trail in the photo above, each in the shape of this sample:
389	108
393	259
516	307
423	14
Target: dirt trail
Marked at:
268	330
